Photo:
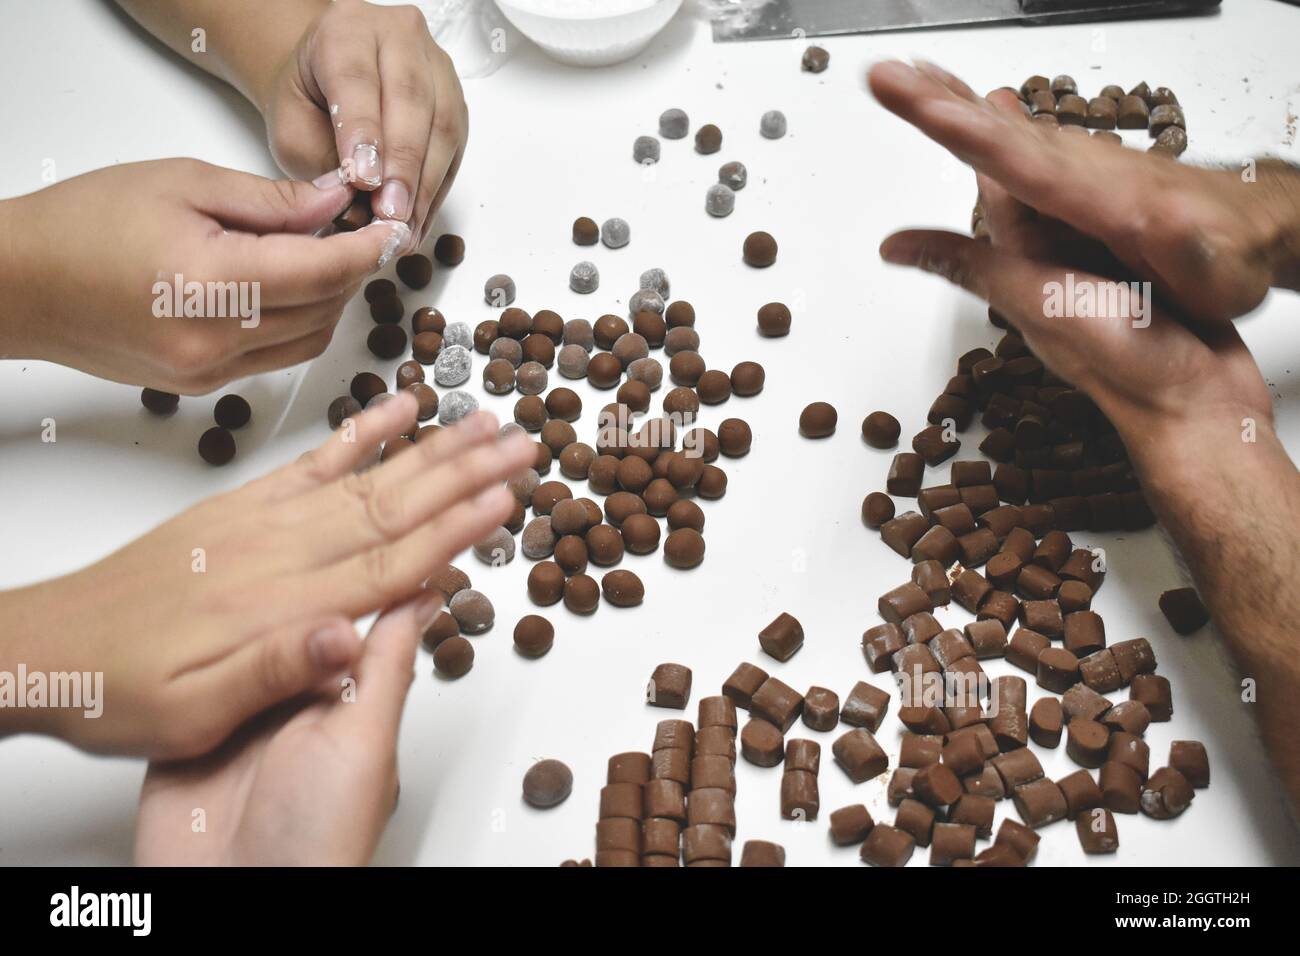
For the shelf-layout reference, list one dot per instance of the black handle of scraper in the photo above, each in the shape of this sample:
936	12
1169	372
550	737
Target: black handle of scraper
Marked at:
1040	12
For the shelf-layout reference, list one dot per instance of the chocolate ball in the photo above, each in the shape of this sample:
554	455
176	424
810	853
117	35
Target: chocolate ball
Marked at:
499	291
387	311
673	124
877	508
659	496
499	377
681	338
708	139
881	430
366	385
547	494
497	548
747	378
428	319
685	513
581	594
540	349
712	483
549	323
572	361
684	548
615	233
734	437
571	554
650	325
679	313
232	411
759	250
217	446
818	420
449	250
426	401
714	387
701	443
568	517
378	289
415	270
580	333
547	783
608	329
773	320
522	486
629	347
564	403
514	522
602	477
454	657
472	611
545	583
558	434
585	231
409	373
531	378
641	534
815	59
682	402
647	371
604	370
576	460
685	368
443	627
772	124
604	545
620	505
542	463
733	175
343	407
538	538
633	474
164	403
635	395
514	323
450	581
683	472
621	588
485	333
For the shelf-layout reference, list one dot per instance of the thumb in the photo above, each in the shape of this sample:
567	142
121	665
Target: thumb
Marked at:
248	203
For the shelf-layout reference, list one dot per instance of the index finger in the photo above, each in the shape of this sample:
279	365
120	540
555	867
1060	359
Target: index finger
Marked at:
298	270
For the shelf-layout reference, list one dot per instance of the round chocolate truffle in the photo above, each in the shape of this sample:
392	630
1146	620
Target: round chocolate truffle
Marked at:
571	554
456	405
548	493
673	124
818	420
747	378
685	368
449	250
454	657
409	373
580	333
719	200
522	486
232	411
472	611
684	548
880	430
452	366
377	289
576	460
659	496
650	325
679	313
564	403
655	280
608	330
584	278
635	395
877	508
558	434
713	388
581	594
772	124
538	538
534	636
164	403
615	233
530	378
629	348
733	175
415	270
773	320
701	443
681	338
604	370
572	361
712	483
621	588
426	346
497	548
545	583
640	534
499	377
547	783
759	250
604	545
499	291
342	408
734	437
645	150
708	139
540	349
515	323
485	333
530	412
647	371
585	231
428	319
450	581
217	446
388	310
685	513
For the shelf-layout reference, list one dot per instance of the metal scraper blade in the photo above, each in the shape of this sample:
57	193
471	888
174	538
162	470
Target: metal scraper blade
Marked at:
773	19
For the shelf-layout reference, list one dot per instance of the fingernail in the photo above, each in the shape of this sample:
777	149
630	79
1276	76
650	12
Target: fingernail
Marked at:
332	646
427	607
397	240
365	164
395	201
330	180
900	251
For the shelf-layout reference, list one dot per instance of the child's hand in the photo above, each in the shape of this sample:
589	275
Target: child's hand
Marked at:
367	89
248	599
311	785
98	266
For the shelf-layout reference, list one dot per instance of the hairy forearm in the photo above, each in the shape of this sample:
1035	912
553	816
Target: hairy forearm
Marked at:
242	41
1232	506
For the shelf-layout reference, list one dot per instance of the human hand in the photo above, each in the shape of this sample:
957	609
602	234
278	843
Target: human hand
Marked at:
96	261
367	90
1211	243
306	786
247	599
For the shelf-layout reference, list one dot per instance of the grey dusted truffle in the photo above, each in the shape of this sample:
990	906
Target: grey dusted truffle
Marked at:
472	611
579	332
506	348
615	233
499	291
648	371
645	300
733	174
458	333
772	125
572	361
584	277
455	406
537	539
645	150
683	338
657	280
719	200
630	347
497	548
525	483
505	431
531	378
452	367
673	124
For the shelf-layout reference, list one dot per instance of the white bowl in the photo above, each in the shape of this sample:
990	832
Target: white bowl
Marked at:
590	32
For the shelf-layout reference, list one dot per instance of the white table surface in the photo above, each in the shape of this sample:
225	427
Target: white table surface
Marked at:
86	89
